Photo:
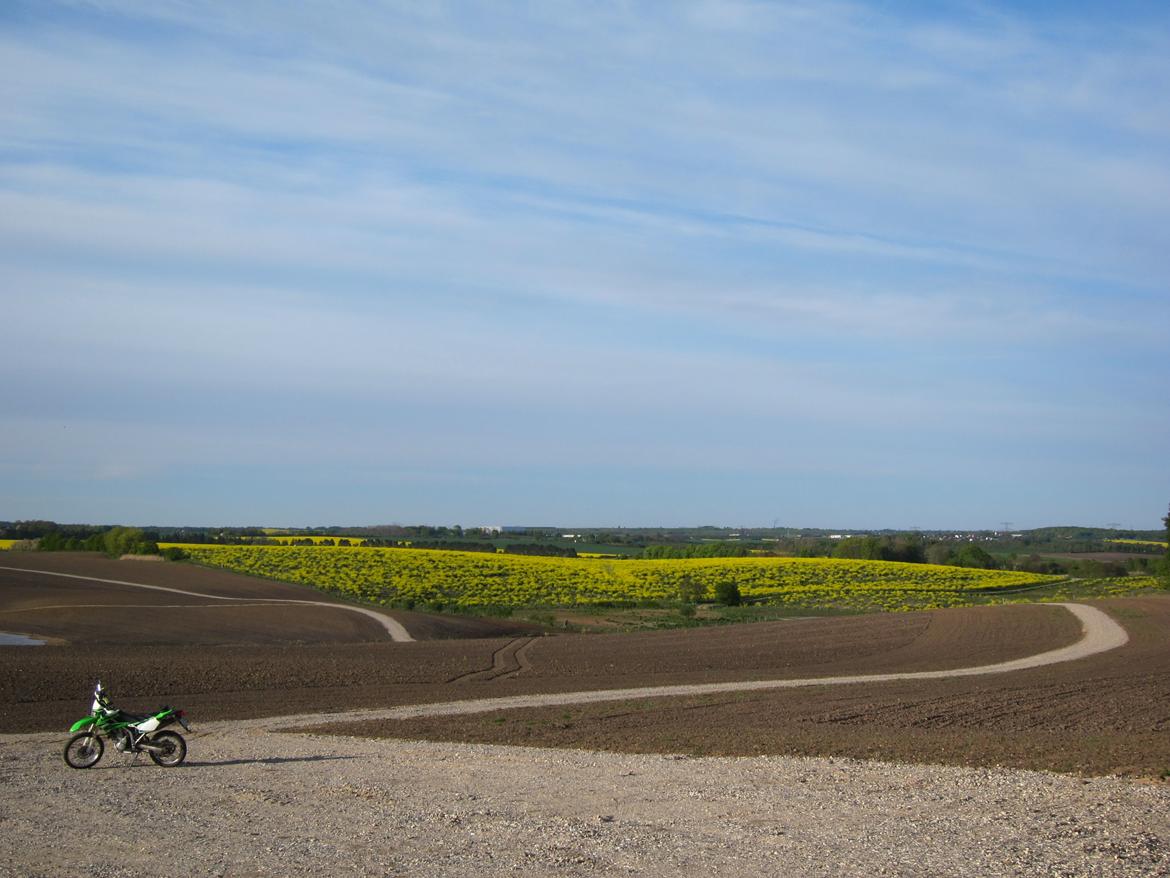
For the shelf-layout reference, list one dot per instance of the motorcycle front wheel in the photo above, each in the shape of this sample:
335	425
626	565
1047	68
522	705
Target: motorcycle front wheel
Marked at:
173	752
84	750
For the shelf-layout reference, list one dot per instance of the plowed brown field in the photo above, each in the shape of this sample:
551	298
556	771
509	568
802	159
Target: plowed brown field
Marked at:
1108	713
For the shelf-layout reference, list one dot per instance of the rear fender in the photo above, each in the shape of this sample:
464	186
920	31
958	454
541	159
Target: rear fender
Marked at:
163	718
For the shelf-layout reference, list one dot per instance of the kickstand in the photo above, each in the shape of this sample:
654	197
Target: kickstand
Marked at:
133	759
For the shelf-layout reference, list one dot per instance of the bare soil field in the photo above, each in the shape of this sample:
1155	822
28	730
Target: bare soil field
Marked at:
1106	714
1120	557
38	605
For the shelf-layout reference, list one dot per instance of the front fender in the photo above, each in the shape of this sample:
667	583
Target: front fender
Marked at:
82	723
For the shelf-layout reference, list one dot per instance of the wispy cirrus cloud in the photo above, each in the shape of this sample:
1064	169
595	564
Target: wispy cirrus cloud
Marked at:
812	220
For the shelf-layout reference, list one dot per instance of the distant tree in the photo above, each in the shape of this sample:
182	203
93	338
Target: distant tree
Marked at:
727	593
30	530
697	550
971	555
1166	557
118	541
814	548
53	541
903	547
1036	564
868	548
939	553
1090	568
908	549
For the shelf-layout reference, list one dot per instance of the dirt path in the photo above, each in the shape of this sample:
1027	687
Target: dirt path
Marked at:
394	628
1100	633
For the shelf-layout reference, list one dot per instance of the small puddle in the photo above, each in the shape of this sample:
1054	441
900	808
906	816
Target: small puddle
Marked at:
7	639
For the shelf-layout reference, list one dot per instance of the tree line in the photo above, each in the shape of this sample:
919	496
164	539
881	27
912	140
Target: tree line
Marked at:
912	548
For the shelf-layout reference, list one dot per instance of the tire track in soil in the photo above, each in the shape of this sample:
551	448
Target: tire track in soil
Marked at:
508	661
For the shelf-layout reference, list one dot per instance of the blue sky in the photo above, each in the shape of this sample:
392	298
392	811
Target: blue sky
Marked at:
824	264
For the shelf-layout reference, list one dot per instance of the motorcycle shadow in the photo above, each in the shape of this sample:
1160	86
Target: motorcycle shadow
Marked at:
264	760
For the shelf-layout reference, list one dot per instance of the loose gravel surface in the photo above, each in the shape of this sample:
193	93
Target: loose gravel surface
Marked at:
250	803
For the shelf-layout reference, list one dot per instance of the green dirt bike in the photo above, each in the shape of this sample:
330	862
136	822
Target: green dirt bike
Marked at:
130	734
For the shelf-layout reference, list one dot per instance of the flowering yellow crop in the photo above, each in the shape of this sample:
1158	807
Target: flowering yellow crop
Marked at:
1091	589
484	579
7	544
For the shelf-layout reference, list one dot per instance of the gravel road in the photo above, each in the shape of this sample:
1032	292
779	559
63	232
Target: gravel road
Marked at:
251	802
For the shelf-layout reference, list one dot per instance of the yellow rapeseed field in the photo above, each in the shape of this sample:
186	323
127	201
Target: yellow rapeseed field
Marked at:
475	579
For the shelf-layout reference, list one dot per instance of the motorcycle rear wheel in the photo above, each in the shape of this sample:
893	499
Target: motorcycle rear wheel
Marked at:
83	750
174	749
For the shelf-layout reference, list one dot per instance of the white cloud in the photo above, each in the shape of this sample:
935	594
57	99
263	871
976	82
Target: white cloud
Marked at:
958	156
581	223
